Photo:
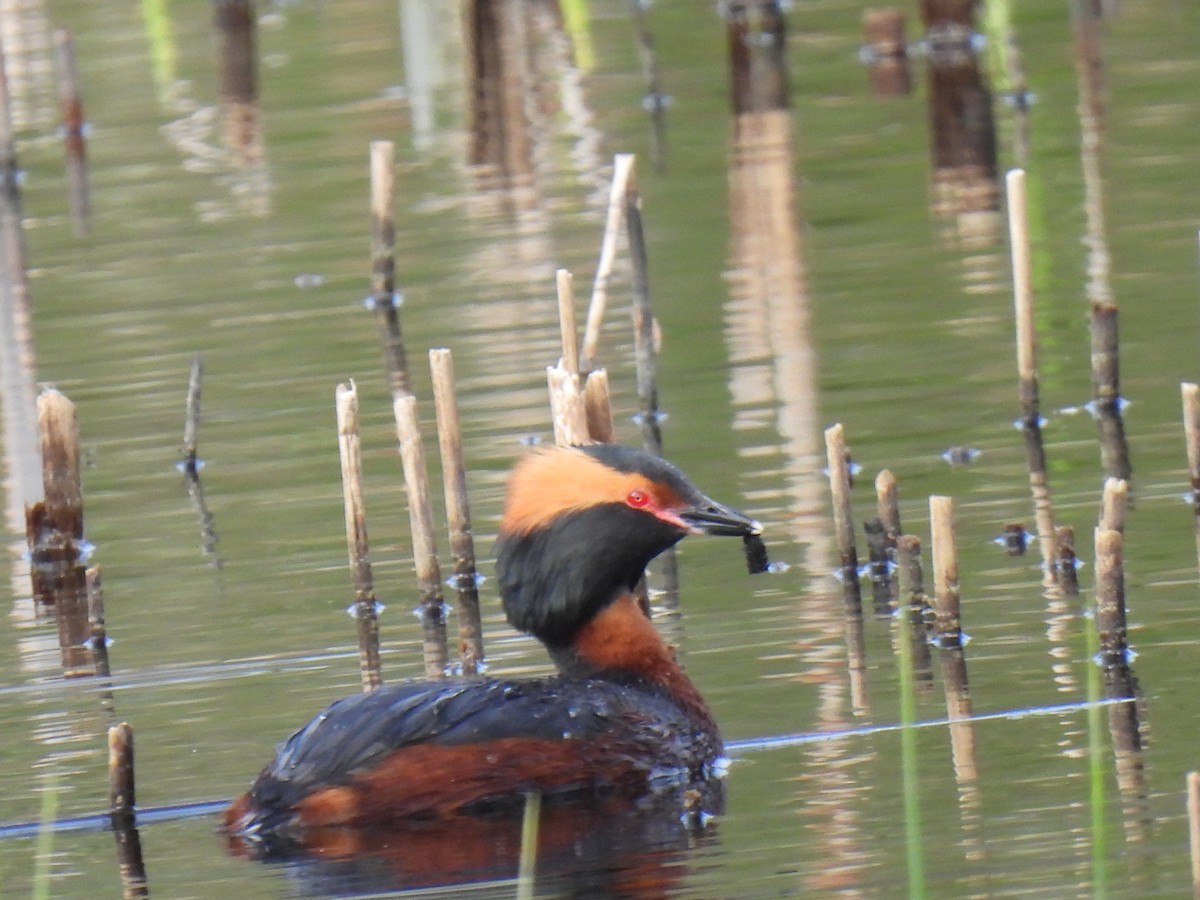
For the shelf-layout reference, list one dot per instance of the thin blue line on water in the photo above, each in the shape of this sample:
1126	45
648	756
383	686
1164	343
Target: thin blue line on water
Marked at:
813	737
102	822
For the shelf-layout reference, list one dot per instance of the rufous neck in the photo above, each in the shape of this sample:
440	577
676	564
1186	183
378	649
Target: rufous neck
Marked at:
620	639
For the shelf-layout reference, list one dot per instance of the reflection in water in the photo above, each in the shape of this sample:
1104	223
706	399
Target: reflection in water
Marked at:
773	380
599	849
963	135
1106	397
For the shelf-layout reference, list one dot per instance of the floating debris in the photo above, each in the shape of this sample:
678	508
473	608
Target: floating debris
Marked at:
307	280
1014	539
961	456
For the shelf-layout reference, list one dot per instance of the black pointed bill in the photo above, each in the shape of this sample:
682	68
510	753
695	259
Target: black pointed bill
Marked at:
711	517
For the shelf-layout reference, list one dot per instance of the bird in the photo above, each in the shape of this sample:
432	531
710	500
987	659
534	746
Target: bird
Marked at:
620	718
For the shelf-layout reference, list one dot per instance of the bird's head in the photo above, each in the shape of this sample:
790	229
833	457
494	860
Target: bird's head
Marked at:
580	525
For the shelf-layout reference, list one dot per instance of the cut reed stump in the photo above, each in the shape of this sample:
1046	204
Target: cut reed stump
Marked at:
458	512
1193	814
1190	393
1106	391
432	607
913	602
70	99
885	51
384	300
1031	415
843	520
122	811
1110	597
568	403
948	635
191	421
365	605
54	531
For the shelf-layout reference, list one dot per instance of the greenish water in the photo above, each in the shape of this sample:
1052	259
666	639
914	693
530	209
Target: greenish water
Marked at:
912	336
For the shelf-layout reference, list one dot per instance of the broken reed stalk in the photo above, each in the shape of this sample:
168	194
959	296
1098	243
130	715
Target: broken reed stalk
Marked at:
599	407
70	98
1110	597
1106	391
55	531
365	606
384	300
432	609
622	173
191	421
568	406
122	810
458	512
913	602
843	519
1193	814
1031	417
99	632
1190	393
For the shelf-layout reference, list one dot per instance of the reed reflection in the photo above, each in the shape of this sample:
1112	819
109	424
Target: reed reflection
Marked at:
773	384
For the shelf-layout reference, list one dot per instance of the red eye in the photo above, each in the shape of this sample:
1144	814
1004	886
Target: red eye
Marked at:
637	499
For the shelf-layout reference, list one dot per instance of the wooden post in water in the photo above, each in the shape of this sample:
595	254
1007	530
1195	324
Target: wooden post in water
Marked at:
70	99
123	811
54	529
458	512
1106	391
885	49
385	301
365	605
1031	415
237	23
888	505
1190	393
432	610
843	522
